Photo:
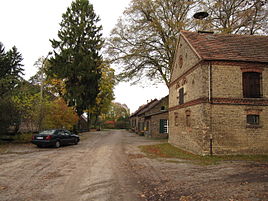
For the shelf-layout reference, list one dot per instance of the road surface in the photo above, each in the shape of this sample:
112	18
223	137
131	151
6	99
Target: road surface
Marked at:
109	166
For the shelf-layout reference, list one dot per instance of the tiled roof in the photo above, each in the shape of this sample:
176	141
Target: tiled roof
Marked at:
144	108
228	46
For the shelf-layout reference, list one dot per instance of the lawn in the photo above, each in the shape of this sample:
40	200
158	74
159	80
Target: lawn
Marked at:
166	150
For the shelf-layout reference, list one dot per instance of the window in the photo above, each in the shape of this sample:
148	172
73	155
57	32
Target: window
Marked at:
163	108
176	119
251	85
253	119
188	120
181	96
163	126
180	61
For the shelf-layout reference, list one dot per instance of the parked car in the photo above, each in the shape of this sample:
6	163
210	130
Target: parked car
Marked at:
56	138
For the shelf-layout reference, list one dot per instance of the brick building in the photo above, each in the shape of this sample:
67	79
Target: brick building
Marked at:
137	119
151	119
218	100
156	119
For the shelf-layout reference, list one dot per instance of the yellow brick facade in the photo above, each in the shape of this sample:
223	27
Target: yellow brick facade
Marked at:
213	117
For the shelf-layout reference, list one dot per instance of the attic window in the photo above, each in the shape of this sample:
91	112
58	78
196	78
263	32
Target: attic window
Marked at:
163	108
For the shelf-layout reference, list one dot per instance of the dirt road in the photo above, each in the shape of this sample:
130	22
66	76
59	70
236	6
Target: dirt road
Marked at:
108	165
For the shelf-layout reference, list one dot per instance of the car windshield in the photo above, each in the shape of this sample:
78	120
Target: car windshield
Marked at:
47	132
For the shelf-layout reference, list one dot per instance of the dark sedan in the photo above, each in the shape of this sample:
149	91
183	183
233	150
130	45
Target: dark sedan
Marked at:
55	138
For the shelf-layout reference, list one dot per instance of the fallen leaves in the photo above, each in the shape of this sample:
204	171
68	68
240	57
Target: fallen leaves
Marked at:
3	188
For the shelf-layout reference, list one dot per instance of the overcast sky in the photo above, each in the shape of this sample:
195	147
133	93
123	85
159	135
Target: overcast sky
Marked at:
29	24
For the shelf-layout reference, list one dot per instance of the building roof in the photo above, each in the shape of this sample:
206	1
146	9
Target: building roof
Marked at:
155	104
142	109
228	47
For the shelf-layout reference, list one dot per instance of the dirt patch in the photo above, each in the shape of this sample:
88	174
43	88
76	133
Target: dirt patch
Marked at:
134	156
171	179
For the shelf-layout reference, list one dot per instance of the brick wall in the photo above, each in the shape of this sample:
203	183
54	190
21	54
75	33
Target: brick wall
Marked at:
230	131
193	137
159	111
186	59
154	129
223	117
232	135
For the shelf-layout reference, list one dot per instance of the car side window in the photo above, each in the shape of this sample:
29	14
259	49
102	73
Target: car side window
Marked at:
60	133
66	132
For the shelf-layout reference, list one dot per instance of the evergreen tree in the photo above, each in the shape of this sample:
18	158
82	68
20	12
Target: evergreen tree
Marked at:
10	77
76	57
10	70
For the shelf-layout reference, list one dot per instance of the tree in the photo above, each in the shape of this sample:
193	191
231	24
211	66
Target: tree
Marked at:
117	116
27	101
143	42
10	77
236	16
106	94
59	115
10	70
76	58
116	111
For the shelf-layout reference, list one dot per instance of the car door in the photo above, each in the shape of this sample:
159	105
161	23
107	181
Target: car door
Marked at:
62	137
69	138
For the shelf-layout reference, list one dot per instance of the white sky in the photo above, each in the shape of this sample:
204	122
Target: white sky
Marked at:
29	24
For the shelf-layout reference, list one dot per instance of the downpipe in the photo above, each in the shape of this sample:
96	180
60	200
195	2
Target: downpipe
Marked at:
210	109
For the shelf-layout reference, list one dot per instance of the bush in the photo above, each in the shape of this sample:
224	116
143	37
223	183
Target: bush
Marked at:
122	125
23	138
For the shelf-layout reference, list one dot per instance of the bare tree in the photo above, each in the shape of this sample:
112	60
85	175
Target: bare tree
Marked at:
143	41
236	16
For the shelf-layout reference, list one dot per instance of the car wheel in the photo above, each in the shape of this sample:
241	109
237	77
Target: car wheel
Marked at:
57	144
75	141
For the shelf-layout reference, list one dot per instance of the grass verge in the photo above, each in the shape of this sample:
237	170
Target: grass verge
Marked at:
9	140
166	150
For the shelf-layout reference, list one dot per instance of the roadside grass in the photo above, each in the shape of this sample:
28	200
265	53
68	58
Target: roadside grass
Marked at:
9	140
16	139
172	153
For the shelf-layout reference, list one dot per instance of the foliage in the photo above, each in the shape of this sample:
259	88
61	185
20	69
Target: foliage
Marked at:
49	83
9	116
22	138
10	70
59	115
27	100
122	123
109	124
10	77
117	116
106	94
143	42
116	112
76	58
236	16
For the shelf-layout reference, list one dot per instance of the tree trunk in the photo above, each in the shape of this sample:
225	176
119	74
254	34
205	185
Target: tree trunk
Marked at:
96	120
88	121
